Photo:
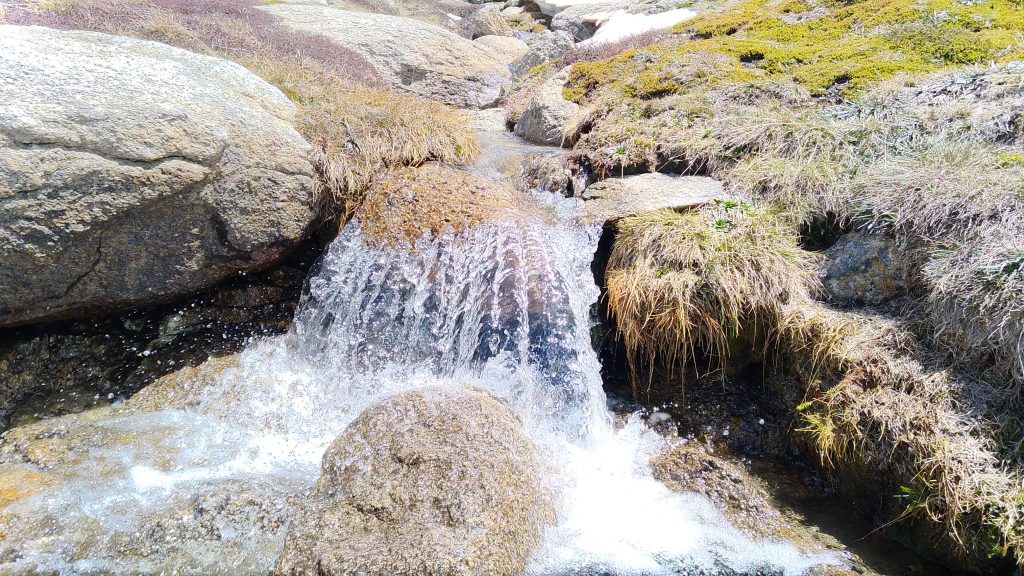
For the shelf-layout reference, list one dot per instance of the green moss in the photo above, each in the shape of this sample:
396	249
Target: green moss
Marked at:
854	45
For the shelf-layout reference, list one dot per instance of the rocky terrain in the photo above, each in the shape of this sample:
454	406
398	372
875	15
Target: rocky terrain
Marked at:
810	256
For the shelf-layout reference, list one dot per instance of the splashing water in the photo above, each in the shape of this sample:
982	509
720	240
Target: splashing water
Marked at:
502	306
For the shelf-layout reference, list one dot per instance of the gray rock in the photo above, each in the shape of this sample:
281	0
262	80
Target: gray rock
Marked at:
133	172
509	49
488	21
548	117
547	172
864	269
394	496
546	47
616	198
414	56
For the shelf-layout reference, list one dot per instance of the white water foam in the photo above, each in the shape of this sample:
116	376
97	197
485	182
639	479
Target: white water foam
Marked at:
506	307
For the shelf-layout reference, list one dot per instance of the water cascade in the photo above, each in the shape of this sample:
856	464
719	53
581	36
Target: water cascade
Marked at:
503	306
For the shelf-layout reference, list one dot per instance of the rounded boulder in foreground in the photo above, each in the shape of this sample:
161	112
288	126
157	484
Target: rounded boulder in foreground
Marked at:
132	172
436	481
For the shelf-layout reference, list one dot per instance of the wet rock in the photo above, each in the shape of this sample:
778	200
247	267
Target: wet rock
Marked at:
413	56
113	195
509	49
396	496
547	46
865	269
57	368
548	117
547	172
616	198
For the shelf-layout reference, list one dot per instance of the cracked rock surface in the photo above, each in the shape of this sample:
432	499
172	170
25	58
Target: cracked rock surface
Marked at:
132	172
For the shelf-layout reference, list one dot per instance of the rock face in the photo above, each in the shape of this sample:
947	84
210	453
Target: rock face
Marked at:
507	48
864	269
547	47
619	197
132	172
434	481
413	56
547	119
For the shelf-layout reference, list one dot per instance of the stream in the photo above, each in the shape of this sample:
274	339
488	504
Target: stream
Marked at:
203	484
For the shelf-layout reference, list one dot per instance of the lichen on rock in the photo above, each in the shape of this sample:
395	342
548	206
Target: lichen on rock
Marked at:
438	481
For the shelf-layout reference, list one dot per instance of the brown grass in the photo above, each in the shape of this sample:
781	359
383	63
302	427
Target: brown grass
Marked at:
883	409
407	204
358	127
684	283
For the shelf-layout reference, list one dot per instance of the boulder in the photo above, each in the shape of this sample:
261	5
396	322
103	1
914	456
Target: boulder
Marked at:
864	269
548	117
132	172
507	48
545	171
488	21
546	47
413	56
616	198
435	481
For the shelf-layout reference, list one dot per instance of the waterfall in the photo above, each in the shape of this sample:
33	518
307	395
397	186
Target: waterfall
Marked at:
504	306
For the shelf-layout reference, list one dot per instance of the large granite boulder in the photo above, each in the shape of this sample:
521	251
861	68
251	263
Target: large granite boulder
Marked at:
133	172
414	56
434	481
548	117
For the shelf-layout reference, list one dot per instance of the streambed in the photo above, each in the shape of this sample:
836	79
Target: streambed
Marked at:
198	473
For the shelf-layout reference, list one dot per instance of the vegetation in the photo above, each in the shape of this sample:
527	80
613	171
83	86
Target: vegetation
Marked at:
358	127
683	283
897	116
407	204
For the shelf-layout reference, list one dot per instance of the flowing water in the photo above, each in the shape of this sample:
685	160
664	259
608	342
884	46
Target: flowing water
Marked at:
503	306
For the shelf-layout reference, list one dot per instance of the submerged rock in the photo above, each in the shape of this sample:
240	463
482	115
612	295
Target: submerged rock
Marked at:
413	56
113	194
864	269
548	117
616	198
435	481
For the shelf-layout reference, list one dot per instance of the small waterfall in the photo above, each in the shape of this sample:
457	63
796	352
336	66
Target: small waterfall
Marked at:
502	306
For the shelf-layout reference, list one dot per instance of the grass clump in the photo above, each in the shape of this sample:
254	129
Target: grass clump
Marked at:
681	285
885	411
357	126
407	204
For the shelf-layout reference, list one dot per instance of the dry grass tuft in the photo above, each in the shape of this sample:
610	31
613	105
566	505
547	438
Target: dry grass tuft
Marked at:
358	127
882	412
684	283
407	204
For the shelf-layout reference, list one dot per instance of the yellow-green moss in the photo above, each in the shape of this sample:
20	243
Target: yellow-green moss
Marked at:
845	48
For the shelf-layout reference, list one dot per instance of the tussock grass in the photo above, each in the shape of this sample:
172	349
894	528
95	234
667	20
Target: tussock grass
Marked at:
358	127
882	409
940	189
681	284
